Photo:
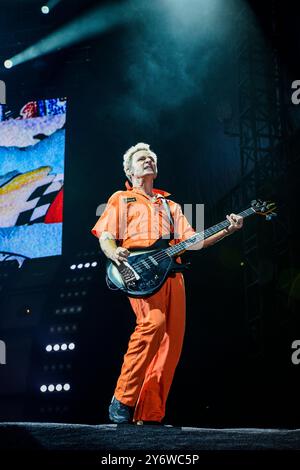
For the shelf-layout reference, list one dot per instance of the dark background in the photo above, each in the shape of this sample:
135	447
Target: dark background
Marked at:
169	78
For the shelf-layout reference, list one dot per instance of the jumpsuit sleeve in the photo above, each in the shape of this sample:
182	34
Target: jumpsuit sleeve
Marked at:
109	219
182	228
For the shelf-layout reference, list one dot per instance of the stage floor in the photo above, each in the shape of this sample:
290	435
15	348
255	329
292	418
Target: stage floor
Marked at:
78	444
57	436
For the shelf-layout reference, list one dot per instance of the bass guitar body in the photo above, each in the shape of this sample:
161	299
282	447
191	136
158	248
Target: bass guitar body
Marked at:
143	273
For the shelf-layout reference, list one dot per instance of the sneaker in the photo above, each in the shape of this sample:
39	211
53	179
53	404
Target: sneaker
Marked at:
118	412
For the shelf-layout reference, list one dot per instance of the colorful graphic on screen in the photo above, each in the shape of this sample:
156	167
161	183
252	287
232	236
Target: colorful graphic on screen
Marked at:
32	153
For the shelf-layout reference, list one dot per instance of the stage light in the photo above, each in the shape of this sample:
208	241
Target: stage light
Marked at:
60	367
50	409
81	265
60	328
96	21
62	347
8	64
62	295
69	310
45	9
52	388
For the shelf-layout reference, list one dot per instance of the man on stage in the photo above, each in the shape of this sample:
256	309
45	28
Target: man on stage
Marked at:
136	218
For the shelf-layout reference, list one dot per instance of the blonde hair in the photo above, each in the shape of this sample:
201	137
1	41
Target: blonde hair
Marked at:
127	158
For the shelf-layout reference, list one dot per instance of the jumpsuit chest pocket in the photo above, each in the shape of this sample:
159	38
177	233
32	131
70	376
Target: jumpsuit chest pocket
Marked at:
138	211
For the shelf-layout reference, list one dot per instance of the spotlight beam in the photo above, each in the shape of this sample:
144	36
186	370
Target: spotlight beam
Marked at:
52	3
93	23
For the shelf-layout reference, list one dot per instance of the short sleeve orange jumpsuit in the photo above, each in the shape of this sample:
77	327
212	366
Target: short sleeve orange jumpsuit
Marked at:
155	345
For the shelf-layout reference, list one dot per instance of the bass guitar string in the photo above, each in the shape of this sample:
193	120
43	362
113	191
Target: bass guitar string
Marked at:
173	249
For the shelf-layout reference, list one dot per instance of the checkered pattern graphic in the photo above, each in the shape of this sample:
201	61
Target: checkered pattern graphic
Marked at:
38	203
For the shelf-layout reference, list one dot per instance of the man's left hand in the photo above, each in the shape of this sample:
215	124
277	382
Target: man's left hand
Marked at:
236	222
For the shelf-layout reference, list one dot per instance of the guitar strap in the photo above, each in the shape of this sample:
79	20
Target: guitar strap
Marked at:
168	211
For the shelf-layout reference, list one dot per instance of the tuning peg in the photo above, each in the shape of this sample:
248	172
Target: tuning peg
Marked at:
269	216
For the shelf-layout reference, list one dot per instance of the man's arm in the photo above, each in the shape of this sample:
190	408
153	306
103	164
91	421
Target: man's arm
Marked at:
210	240
236	222
110	249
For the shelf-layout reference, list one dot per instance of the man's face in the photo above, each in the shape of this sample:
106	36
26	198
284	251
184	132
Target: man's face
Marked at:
143	164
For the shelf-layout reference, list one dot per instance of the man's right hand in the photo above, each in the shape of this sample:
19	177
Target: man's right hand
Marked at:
119	254
111	250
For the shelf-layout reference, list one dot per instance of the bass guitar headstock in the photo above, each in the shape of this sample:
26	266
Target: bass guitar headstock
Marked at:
264	208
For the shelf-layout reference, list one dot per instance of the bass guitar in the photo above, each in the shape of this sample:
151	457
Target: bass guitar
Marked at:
145	271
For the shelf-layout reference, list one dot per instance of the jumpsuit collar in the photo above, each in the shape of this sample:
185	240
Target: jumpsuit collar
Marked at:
155	191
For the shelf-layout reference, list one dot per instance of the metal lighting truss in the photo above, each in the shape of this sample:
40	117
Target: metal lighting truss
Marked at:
264	158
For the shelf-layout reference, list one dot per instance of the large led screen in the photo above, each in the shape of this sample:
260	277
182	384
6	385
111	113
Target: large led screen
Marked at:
32	153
